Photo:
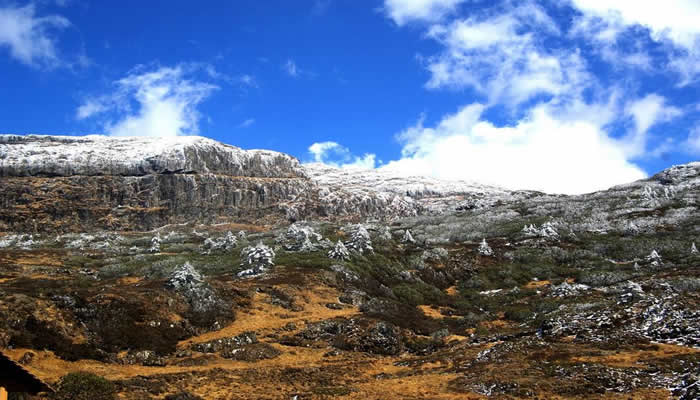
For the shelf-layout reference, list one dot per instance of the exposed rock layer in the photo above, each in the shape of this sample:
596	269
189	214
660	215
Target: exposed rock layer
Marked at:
94	182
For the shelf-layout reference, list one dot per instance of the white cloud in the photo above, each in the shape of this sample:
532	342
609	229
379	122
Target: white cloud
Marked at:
501	57
693	141
247	123
89	108
29	37
291	68
166	103
248	80
405	11
332	153
646	112
673	22
548	150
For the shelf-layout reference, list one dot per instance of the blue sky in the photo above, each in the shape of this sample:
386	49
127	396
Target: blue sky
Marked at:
567	96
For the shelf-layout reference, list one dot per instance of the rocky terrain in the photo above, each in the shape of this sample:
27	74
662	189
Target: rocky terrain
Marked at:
189	269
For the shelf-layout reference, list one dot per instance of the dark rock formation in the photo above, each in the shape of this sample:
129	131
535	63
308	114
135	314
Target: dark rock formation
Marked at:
97	183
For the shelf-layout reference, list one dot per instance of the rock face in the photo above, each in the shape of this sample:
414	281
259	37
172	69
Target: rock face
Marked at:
378	193
55	183
52	156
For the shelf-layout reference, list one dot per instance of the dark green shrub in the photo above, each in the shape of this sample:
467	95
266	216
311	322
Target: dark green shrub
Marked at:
408	295
85	386
518	313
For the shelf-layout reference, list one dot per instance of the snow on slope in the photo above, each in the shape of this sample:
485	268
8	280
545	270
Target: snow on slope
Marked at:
37	155
364	191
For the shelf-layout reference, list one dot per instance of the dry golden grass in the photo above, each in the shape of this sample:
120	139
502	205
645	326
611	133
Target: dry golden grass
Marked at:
431	312
637	358
263	317
537	284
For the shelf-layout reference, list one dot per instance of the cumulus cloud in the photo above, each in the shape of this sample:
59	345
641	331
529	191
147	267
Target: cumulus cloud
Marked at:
332	153
159	102
548	150
404	11
29	37
574	131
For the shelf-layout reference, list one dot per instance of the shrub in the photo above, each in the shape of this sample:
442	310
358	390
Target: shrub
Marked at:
85	386
408	295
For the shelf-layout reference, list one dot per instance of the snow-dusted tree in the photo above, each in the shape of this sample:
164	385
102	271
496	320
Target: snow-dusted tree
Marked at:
360	241
184	276
408	237
301	238
485	249
227	243
384	233
530	230
693	249
339	252
548	230
654	258
155	244
256	259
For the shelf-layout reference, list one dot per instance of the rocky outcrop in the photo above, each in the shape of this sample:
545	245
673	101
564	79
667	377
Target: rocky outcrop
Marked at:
54	183
53	156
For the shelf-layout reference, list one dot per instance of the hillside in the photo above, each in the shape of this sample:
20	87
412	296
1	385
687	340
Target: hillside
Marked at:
192	266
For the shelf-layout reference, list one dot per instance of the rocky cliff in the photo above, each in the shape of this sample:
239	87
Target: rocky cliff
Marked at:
57	183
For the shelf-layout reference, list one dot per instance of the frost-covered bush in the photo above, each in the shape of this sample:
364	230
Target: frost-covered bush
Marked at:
302	238
434	254
407	237
256	260
485	249
225	243
654	258
155	244
339	252
360	241
184	277
546	231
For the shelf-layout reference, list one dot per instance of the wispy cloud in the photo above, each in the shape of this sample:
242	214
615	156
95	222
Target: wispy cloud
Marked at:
693	141
248	81
291	68
31	38
166	99
247	123
320	6
672	24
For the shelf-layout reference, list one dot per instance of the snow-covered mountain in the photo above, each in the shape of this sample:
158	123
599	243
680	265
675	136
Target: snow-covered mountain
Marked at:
97	182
